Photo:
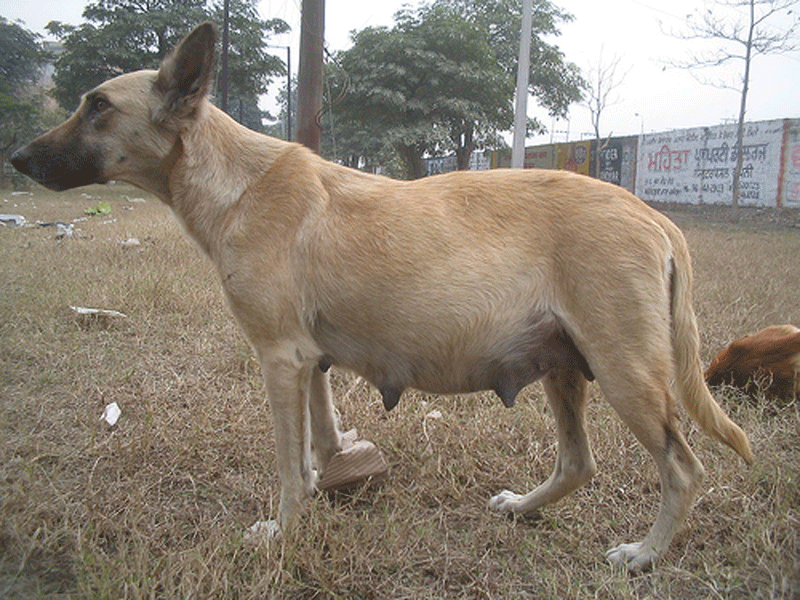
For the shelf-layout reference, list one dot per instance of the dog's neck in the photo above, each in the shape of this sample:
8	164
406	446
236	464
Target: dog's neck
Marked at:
210	167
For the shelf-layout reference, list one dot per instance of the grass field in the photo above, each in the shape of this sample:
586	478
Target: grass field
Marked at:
156	506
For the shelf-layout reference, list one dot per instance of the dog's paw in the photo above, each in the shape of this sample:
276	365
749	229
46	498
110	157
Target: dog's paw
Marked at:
262	531
635	557
505	501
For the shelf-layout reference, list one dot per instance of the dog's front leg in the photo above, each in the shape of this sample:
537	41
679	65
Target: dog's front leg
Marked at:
326	440
288	385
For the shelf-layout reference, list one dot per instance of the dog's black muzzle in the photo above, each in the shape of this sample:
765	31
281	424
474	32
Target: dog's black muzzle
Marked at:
57	169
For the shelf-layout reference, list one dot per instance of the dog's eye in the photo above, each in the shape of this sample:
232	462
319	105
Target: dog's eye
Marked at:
99	104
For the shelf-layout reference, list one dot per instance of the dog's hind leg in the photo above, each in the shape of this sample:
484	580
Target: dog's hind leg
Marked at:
651	417
325	437
567	393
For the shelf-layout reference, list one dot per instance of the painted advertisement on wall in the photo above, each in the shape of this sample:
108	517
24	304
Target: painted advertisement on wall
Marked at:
574	156
536	157
617	158
445	164
696	166
790	188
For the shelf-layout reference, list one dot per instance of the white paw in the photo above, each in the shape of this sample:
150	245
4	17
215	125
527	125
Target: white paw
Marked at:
634	557
262	531
505	501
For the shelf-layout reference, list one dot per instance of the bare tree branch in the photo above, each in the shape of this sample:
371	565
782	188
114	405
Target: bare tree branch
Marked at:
744	29
729	24
602	79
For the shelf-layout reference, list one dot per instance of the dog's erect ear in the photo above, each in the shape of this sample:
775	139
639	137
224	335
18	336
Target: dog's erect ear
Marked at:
186	74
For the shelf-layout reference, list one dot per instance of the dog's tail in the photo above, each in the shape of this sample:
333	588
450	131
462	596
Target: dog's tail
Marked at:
691	385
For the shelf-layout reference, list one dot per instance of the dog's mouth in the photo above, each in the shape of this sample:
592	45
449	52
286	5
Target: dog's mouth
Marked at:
54	185
57	171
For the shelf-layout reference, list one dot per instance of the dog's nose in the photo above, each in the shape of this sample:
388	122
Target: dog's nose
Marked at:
20	160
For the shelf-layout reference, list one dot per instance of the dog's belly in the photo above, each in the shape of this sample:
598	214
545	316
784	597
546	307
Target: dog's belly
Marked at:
504	362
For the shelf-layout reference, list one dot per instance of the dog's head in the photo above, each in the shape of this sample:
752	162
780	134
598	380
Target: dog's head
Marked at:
127	127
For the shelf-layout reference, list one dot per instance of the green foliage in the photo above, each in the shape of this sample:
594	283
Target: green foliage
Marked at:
16	123
443	79
278	126
250	66
118	36
386	92
21	57
101	209
553	82
21	104
125	35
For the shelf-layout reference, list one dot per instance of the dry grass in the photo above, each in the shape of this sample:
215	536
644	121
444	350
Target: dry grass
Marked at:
156	506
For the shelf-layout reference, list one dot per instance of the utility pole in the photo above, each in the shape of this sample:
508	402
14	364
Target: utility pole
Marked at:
523	68
288	93
223	76
309	75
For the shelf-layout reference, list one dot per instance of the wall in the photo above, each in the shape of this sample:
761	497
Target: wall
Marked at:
790	180
574	156
444	164
696	166
617	161
690	166
536	157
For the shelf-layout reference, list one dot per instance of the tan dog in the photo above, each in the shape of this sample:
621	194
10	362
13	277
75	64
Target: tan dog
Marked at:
766	361
462	282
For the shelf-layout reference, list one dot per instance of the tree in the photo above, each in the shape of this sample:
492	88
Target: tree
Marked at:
118	36
472	97
601	82
250	66
22	57
442	79
386	91
742	28
279	126
553	82
125	35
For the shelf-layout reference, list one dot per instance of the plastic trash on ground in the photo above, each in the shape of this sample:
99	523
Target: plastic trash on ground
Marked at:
111	414
15	220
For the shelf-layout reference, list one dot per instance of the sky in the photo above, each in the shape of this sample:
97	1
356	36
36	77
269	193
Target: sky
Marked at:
651	95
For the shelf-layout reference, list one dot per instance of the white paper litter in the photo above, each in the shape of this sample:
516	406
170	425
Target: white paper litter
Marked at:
15	220
100	312
262	531
111	414
64	230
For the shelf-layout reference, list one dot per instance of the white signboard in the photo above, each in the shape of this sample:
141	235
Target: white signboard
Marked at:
696	165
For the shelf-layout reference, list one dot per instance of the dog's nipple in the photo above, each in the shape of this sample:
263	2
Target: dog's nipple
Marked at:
391	396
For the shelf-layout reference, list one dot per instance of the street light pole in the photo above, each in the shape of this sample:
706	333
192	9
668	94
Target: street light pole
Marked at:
223	76
288	93
523	68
